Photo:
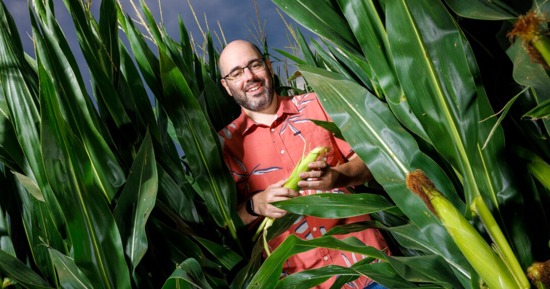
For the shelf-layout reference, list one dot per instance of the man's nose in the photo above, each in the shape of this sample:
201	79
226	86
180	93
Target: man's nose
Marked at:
248	74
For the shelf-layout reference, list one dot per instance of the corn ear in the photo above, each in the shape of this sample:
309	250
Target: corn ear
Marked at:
302	166
292	183
502	246
475	249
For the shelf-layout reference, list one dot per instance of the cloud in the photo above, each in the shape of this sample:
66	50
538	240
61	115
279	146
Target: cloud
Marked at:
238	19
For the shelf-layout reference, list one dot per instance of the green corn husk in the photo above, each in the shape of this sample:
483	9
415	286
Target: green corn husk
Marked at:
291	183
314	154
503	248
479	254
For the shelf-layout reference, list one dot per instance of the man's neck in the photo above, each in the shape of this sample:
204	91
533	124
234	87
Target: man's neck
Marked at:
266	116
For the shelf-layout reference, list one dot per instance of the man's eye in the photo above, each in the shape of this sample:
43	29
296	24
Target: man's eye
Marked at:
256	65
235	74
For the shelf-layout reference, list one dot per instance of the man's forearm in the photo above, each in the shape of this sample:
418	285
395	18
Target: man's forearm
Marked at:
352	173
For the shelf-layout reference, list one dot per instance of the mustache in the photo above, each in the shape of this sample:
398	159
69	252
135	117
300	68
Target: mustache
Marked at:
254	83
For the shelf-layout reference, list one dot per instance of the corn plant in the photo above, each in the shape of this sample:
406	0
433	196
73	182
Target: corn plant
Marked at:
401	81
96	193
123	186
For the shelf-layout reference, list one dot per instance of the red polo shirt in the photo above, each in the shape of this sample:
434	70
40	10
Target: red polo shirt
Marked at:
260	155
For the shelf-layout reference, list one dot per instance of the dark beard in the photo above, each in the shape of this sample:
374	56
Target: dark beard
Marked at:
260	105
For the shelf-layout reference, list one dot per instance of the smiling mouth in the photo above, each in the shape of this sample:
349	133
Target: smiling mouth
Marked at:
254	89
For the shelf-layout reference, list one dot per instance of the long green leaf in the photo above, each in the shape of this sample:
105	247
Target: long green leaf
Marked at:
445	97
136	203
389	152
225	256
20	272
18	82
69	274
97	246
450	102
321	17
199	142
335	205
187	275
367	25
482	9
77	107
541	111
20	107
99	43
270	271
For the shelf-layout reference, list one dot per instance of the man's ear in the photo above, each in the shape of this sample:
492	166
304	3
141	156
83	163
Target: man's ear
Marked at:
269	67
226	86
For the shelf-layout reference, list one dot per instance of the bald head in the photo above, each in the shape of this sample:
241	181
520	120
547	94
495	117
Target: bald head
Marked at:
252	88
237	51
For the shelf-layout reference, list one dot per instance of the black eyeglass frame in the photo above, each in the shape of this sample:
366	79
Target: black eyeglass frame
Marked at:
262	59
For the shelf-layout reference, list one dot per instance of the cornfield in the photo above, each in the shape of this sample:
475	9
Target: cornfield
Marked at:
124	186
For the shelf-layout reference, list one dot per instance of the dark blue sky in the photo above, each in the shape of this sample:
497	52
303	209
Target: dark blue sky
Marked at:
237	18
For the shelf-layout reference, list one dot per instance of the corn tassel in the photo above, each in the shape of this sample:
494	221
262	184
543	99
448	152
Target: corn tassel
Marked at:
539	273
475	249
291	183
531	29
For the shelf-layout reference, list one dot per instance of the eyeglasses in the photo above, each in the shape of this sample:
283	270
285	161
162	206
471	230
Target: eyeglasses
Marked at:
254	66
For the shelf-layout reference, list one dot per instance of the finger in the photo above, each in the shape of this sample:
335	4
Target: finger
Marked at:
311	184
280	198
277	214
278	184
318	165
283	192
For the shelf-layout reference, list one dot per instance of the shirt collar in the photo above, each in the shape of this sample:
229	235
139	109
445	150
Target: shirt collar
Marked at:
286	107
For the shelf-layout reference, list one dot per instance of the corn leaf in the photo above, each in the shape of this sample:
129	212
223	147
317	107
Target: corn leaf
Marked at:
368	27
407	268
19	104
481	9
20	108
97	246
383	273
221	109
77	107
335	205
102	56
450	102
270	270
178	199
187	275
541	111
226	257
446	98
69	274
388	150
18	271
148	63
136	202
322	18
199	142
350	64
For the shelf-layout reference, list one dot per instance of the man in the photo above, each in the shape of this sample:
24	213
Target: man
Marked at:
262	147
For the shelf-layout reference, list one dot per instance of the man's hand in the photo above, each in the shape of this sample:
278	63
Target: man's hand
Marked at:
320	177
324	177
274	193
